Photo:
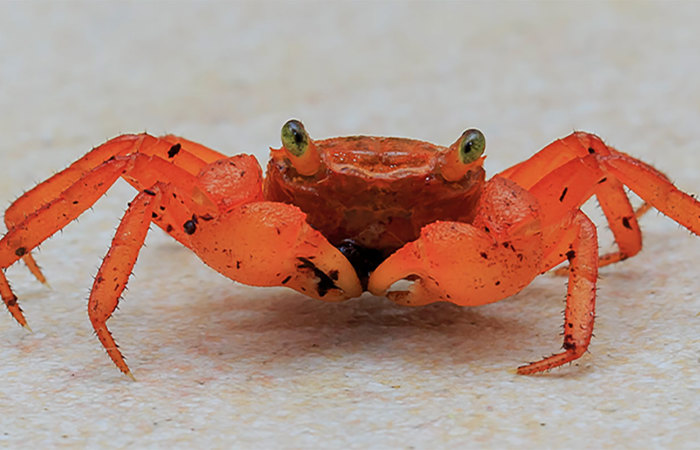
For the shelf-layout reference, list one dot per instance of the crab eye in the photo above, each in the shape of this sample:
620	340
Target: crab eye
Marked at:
471	145
299	149
294	137
460	157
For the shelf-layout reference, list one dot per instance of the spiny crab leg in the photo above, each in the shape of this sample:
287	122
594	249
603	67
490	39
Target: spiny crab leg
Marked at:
116	268
613	200
50	218
579	314
58	212
187	155
655	189
217	212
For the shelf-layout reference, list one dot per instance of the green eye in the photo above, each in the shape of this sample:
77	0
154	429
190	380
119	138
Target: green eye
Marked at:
294	137
471	146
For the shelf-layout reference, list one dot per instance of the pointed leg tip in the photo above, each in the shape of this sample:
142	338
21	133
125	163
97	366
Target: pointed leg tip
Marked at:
130	375
34	268
26	327
526	370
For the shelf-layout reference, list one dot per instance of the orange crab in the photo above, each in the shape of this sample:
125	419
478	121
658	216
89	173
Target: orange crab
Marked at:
339	216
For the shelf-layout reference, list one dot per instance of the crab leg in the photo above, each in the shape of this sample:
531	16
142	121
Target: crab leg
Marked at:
610	194
219	214
622	219
654	188
581	165
116	268
580	298
50	218
60	211
182	153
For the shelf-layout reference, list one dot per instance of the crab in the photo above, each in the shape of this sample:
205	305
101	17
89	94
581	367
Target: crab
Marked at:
401	218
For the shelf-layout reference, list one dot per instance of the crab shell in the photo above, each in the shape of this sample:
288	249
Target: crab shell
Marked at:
375	192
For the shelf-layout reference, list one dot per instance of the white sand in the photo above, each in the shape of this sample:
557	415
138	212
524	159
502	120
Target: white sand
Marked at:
219	364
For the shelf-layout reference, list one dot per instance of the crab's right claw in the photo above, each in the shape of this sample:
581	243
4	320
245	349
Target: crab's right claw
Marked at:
271	244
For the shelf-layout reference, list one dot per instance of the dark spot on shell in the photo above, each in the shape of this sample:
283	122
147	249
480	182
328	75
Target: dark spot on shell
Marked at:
238	264
149	192
626	223
289	277
189	227
563	194
21	251
591	150
484	255
570	255
602	180
169	228
154	215
174	150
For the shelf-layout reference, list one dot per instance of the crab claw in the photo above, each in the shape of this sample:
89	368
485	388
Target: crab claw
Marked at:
271	244
469	264
458	263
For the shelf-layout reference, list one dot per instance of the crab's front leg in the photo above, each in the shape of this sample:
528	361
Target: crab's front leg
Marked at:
579	315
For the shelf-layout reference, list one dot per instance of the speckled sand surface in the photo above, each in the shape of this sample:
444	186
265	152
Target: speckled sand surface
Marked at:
219	364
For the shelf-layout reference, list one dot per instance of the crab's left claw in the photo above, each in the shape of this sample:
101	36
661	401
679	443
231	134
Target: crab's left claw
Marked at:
469	264
458	263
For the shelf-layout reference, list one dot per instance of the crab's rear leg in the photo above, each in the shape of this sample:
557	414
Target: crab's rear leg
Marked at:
620	215
182	153
50	218
71	202
654	188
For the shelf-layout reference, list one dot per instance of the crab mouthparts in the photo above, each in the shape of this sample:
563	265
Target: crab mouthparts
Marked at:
364	260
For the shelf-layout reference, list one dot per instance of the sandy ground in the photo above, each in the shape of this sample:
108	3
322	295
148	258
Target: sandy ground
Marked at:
219	364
